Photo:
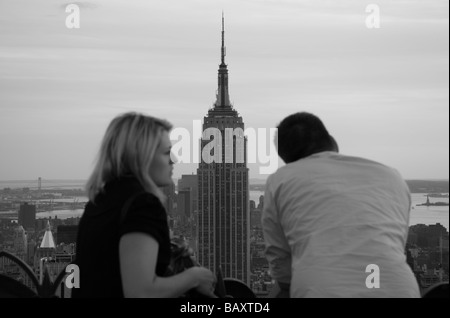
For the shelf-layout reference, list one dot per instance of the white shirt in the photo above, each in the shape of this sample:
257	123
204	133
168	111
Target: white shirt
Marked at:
327	217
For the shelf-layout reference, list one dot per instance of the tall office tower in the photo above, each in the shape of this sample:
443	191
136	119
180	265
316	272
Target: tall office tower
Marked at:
169	192
223	207
27	215
190	182
184	204
20	242
31	250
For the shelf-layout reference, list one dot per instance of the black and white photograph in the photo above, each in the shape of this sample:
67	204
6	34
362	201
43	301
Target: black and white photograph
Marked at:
242	149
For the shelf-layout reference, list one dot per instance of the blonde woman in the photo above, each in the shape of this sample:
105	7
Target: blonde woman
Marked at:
126	255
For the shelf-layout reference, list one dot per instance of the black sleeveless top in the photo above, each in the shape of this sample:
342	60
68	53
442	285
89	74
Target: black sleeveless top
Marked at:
100	230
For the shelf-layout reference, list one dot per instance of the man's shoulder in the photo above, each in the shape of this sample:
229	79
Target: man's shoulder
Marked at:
322	163
373	170
337	157
375	164
304	165
291	172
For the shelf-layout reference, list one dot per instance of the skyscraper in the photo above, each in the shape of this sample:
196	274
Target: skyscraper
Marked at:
223	205
169	192
184	204
190	182
27	215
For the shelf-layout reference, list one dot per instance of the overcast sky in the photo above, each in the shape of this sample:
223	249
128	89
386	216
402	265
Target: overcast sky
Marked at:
383	93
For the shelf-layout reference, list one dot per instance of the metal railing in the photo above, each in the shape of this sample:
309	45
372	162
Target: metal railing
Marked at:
11	288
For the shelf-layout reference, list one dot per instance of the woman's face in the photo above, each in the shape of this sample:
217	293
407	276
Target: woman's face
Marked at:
161	167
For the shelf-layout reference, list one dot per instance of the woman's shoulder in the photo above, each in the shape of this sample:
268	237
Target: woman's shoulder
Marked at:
145	198
144	211
118	191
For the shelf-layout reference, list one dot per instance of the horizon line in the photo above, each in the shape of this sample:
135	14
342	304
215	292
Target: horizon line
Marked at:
84	180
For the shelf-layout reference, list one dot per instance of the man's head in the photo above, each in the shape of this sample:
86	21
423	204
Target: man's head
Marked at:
301	135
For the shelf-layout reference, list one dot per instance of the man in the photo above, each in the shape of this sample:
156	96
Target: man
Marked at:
334	225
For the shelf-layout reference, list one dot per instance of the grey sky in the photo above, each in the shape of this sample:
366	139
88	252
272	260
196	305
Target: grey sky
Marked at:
383	93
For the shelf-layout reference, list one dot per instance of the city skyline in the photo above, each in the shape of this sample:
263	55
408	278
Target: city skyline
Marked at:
383	93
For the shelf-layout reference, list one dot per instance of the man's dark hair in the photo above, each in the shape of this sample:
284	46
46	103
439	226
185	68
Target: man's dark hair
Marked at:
301	135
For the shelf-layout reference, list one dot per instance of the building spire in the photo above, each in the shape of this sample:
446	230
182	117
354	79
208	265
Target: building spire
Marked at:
222	97
48	241
223	51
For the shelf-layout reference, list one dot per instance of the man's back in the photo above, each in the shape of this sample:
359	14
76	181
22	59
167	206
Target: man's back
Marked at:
338	214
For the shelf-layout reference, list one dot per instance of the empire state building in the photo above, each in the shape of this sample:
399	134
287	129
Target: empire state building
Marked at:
223	198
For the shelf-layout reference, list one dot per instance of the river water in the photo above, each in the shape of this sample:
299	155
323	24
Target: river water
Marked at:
419	214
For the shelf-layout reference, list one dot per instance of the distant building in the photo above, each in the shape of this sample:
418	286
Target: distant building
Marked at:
190	181
27	215
427	252
47	246
255	218
45	251
31	251
169	192
427	235
47	240
261	202
62	255
20	242
41	224
412	238
184	203
66	234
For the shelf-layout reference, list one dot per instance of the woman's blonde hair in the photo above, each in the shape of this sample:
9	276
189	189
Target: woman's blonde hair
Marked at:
127	148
